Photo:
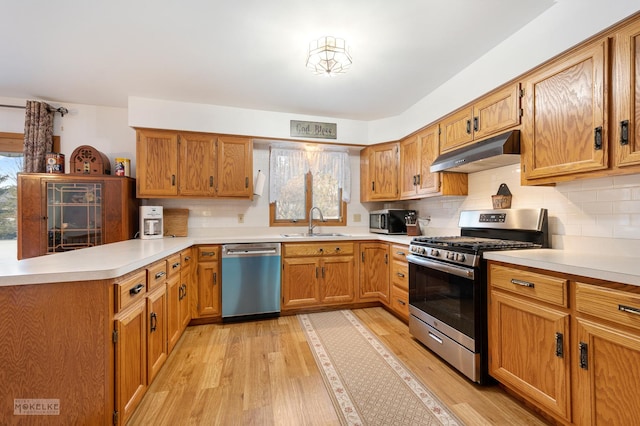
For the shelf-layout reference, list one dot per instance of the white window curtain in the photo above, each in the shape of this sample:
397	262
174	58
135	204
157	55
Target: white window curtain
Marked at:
287	163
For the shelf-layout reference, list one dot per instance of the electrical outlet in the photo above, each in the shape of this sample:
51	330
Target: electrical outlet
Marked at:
240	218
357	217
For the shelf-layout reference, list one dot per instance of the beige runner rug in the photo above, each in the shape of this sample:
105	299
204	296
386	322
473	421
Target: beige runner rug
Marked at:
368	384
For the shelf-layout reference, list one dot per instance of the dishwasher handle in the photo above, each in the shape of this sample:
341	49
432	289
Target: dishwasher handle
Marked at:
250	252
251	249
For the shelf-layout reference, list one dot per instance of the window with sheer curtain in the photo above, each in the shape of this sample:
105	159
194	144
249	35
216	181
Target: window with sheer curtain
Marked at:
301	179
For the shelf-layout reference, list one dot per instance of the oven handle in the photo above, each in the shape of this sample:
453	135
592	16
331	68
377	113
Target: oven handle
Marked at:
442	267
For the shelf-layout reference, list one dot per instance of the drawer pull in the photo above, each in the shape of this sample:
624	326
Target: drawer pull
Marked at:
400	253
135	290
400	274
584	355
208	253
153	321
436	338
559	345
160	275
187	258
629	309
175	265
402	302
522	283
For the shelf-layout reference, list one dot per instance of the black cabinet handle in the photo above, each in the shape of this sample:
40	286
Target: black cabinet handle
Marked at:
629	309
559	345
414	180
584	355
173	180
211	181
215	278
246	182
475	124
400	274
187	258
135	290
402	302
468	127
184	292
153	321
597	143
175	265
417	180
624	132
373	186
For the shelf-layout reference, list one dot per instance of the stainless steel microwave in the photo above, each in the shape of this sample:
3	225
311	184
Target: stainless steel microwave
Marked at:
389	221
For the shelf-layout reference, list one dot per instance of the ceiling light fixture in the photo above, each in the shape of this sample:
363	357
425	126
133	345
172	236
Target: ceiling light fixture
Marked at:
329	56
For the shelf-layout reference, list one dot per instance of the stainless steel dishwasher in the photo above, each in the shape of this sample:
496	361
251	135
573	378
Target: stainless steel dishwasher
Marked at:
250	280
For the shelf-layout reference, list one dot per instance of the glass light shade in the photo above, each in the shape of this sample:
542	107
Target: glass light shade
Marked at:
329	56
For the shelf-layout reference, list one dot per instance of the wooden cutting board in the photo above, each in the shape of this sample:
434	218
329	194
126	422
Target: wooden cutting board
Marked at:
175	222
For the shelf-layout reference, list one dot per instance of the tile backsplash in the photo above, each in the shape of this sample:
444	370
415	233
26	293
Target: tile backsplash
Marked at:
605	207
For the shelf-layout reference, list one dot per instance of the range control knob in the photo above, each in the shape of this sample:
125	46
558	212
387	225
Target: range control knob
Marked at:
460	257
451	256
434	253
423	250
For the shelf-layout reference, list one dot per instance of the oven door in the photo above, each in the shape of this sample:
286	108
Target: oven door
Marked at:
446	297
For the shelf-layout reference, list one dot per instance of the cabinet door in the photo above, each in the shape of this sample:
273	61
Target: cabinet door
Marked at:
409	166
565	122
186	284
384	172
300	282
337	284
429	146
365	175
235	167
374	271
528	347
157	332
131	359
627	95
607	369
32	217
496	112
174	293
208	290
456	130
197	166
156	163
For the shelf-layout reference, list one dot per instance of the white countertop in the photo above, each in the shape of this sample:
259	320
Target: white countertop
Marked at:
616	268
113	260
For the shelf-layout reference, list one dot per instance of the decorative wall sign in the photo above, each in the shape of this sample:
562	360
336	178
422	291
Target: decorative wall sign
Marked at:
313	129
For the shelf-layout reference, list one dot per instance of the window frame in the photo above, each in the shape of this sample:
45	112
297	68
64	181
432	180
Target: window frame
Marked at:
308	200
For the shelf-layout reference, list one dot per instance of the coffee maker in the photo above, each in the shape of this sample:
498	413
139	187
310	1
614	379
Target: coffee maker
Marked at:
151	225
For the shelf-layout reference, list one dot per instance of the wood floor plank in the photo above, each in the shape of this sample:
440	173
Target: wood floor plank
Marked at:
263	373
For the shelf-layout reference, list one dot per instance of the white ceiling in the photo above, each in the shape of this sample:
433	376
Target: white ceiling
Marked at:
247	53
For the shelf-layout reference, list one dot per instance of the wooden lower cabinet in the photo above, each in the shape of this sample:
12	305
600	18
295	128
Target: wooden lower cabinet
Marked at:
374	272
317	274
131	360
399	297
157	350
206	296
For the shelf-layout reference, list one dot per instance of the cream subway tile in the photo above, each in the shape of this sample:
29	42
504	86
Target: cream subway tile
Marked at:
626	181
598	207
582	196
601	183
627	206
616	194
635	194
630	232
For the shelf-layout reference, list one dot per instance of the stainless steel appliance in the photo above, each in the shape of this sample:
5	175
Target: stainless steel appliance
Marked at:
389	221
448	283
250	280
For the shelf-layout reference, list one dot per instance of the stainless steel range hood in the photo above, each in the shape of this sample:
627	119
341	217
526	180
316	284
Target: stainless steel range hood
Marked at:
498	151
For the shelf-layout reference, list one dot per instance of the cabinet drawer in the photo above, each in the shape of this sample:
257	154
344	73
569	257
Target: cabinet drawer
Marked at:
208	253
400	274
131	289
186	257
318	249
400	300
531	284
156	274
399	252
173	264
614	305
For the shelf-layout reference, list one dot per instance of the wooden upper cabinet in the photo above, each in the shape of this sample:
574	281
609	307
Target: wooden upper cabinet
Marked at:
197	167
383	171
417	153
235	167
626	69
156	163
495	112
565	120
365	175
188	164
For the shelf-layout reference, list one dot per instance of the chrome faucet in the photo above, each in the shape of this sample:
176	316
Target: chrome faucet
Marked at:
311	225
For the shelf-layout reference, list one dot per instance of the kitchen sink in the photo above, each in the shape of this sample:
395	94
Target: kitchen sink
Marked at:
315	234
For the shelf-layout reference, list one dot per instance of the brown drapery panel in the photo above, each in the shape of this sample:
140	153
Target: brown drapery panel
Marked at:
38	136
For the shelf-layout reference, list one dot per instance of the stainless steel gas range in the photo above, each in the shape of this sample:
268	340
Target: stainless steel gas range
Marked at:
448	283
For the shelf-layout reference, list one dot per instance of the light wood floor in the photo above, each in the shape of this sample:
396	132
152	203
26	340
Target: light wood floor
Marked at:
263	373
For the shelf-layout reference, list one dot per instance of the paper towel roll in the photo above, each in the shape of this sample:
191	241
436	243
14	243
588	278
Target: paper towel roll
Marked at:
260	180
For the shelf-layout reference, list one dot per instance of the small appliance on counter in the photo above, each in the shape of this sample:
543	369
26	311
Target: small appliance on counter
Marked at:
151	225
389	221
